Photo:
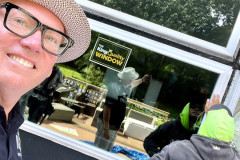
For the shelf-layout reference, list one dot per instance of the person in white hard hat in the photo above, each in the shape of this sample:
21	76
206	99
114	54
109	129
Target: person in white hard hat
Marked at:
35	34
110	119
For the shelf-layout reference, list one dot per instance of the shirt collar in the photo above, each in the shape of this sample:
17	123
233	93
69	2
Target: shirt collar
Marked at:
15	112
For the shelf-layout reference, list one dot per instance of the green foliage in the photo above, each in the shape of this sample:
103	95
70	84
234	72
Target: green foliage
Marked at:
194	17
160	121
90	74
83	62
70	72
93	74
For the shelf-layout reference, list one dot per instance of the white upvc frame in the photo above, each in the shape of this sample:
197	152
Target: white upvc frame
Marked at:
234	41
227	52
234	92
68	142
224	72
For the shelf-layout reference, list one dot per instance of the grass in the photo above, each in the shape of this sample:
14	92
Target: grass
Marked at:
71	72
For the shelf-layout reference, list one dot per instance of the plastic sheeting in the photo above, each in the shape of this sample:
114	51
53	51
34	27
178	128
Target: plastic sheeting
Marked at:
134	155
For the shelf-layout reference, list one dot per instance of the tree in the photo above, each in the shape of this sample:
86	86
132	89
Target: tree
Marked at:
93	74
194	17
82	62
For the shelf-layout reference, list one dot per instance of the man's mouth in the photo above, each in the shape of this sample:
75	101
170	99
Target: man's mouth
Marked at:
22	61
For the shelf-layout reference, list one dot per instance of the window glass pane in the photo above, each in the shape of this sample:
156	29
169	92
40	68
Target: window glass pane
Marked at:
173	85
210	20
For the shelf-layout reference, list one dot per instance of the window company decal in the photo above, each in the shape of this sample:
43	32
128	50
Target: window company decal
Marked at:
110	54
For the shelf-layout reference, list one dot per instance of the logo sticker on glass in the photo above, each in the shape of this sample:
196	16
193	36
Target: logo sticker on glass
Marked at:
110	54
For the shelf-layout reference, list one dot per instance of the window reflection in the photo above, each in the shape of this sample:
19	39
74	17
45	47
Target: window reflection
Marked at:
80	99
211	20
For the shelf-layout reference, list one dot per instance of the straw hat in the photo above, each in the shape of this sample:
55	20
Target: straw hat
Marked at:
75	23
128	73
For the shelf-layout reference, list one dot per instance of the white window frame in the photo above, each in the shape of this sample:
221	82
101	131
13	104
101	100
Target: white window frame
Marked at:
234	93
223	52
224	71
68	142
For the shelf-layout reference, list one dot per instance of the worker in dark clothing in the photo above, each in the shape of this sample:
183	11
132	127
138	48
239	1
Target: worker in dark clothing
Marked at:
181	128
42	96
213	141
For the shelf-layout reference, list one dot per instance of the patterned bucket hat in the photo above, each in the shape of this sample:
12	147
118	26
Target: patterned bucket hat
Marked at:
75	23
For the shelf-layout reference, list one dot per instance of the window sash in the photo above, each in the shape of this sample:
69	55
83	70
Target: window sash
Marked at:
223	52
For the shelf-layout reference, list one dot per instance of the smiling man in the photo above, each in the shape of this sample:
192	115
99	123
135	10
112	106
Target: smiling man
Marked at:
35	34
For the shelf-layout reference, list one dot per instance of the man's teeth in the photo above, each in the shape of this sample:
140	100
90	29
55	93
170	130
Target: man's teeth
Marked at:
22	61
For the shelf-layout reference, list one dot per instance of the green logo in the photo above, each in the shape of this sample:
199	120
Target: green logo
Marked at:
110	54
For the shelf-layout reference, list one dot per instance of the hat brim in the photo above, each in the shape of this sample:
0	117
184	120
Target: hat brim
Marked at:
75	23
134	76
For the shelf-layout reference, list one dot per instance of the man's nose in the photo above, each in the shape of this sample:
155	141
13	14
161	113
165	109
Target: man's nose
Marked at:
33	42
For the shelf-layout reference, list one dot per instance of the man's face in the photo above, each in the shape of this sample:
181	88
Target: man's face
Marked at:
23	62
193	114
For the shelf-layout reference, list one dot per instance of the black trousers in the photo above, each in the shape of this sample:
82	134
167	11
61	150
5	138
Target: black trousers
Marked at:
37	108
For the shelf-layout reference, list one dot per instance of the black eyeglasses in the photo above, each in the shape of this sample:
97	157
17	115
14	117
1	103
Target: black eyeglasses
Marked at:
23	24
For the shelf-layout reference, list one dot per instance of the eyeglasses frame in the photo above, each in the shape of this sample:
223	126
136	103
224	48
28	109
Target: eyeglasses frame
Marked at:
39	25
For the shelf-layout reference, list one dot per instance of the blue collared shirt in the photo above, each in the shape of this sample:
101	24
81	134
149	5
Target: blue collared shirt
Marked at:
10	145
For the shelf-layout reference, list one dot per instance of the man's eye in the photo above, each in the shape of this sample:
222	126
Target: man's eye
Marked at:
51	39
19	21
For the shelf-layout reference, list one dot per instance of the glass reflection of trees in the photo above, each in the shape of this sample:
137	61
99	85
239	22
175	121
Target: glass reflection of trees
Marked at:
178	79
210	20
174	83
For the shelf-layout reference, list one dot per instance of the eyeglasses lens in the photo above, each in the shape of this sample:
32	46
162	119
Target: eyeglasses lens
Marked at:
23	25
54	41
